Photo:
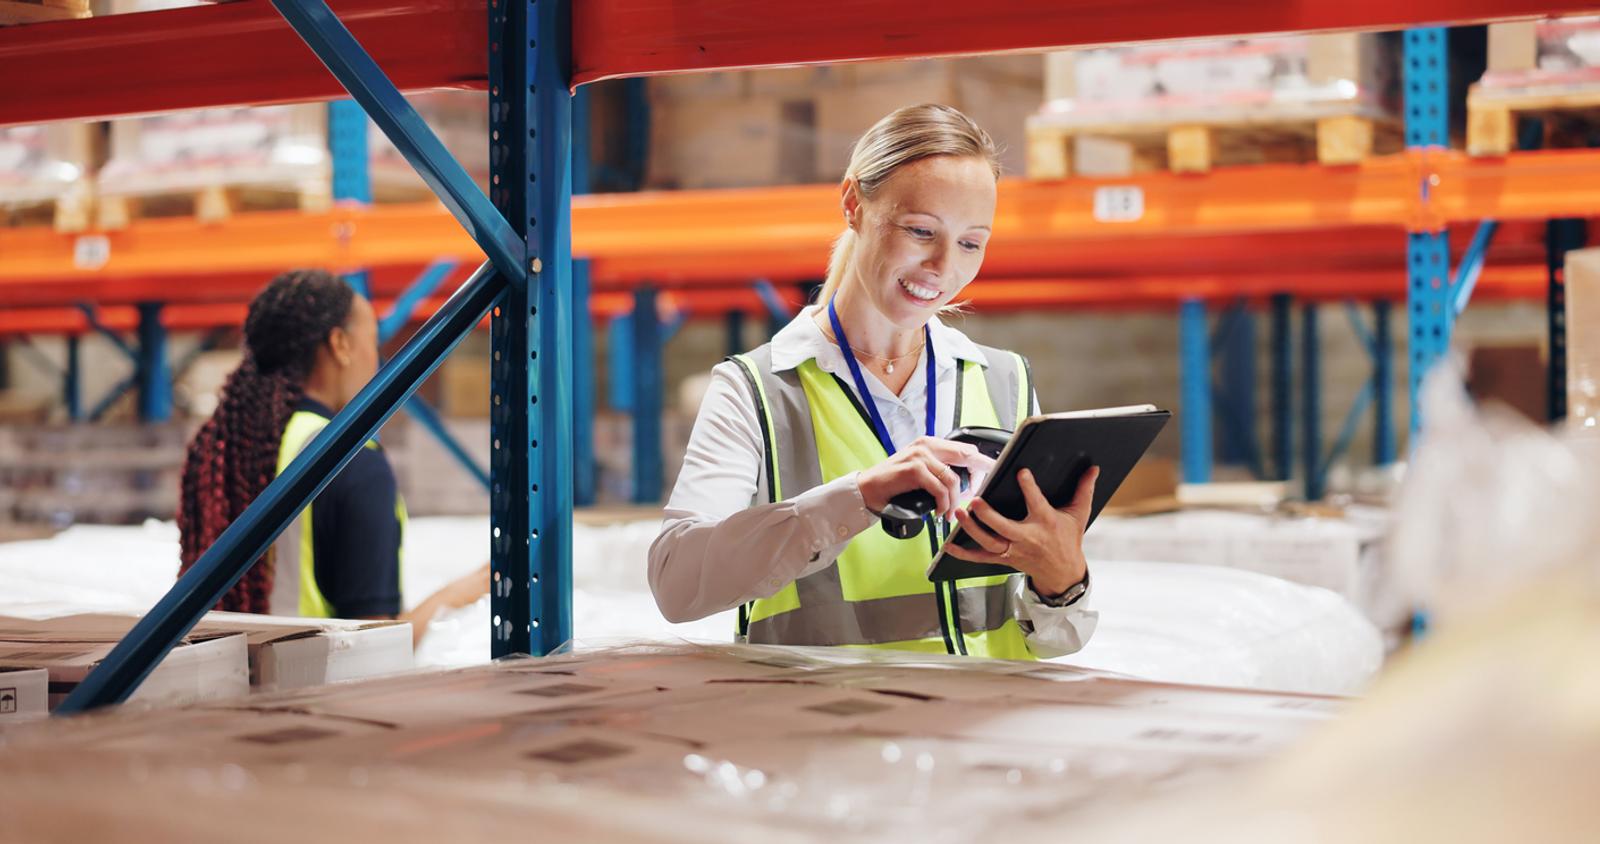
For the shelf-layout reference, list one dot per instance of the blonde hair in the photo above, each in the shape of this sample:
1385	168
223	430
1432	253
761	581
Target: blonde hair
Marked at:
904	136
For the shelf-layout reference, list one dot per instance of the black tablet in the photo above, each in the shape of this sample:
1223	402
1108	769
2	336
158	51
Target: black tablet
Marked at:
1058	448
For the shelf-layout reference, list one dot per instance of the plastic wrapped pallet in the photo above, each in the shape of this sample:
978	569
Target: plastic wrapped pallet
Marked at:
197	161
724	743
45	172
1140	95
1548	67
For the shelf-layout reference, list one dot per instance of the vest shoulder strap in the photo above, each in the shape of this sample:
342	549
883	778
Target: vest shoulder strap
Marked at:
1010	381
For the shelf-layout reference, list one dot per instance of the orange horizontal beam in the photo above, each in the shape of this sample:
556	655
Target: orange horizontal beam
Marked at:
614	38
1526	281
1241	219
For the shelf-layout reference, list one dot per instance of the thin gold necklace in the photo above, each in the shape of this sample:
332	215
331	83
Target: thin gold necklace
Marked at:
889	362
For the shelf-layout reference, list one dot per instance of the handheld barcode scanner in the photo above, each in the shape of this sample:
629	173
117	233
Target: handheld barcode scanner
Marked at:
905	514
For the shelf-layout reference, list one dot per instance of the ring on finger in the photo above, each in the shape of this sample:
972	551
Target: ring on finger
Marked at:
1007	552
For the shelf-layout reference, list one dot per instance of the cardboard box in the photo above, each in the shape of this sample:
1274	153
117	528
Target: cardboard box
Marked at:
282	652
1513	375
730	142
199	669
292	653
1583	338
1561	50
24	694
997	99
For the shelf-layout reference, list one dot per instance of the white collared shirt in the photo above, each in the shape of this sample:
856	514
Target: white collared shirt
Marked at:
720	548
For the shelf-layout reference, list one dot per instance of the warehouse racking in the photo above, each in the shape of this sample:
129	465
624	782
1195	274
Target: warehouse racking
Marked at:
106	66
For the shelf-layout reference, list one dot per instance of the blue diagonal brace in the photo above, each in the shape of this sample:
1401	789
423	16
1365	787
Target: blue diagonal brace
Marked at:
349	62
776	307
1471	265
199	589
429	419
406	304
93	317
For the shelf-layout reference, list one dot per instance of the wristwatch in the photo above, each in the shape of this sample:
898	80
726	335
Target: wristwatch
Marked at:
1067	598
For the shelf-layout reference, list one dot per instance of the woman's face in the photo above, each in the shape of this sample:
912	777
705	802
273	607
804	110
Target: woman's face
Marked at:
921	239
358	348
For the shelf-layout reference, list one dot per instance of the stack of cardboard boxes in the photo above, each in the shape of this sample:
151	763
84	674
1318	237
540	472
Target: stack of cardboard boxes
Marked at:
798	125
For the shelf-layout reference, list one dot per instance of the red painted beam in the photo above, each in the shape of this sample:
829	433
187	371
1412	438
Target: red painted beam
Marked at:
613	38
227	54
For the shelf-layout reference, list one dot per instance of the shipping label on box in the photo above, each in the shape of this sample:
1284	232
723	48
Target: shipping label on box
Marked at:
24	694
202	669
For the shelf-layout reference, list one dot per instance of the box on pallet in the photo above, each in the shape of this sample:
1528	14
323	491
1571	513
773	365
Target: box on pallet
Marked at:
792	125
1321	97
1548	68
63	474
46	173
204	162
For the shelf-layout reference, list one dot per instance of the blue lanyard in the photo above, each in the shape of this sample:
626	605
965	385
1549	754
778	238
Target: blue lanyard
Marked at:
866	395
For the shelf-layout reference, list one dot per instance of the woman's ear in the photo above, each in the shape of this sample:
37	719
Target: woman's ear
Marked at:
342	346
850	203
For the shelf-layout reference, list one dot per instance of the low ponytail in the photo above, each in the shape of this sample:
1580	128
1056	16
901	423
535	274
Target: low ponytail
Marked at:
844	249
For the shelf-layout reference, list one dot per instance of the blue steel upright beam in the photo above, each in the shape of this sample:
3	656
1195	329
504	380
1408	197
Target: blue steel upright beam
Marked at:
1236	400
648	386
72	380
1311	402
1282	341
1429	309
250	535
155	377
1194	372
531	420
352	175
1384	449
585	473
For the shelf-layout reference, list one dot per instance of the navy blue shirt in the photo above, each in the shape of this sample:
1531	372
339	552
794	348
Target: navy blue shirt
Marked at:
355	534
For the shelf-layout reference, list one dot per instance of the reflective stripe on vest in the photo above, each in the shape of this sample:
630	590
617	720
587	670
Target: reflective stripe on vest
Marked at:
876	593
294	552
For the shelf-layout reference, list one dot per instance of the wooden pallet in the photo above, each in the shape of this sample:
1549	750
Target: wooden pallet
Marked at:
211	204
1571	114
68	213
39	11
1198	147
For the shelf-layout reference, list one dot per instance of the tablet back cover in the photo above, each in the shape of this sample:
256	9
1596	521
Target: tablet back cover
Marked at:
1058	451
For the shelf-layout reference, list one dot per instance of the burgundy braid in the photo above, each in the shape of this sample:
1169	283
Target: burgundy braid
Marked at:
234	455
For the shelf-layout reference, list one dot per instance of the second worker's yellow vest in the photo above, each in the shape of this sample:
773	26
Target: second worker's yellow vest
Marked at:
295	549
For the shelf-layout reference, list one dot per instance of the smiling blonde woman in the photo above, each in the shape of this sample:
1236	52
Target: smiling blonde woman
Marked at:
800	443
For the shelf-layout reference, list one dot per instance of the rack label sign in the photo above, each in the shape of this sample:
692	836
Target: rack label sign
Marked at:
91	251
1118	204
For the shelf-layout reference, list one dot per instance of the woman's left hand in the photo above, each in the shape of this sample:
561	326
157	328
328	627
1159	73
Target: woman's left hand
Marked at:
1047	546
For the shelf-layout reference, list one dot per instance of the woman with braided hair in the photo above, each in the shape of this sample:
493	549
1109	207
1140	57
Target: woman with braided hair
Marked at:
310	343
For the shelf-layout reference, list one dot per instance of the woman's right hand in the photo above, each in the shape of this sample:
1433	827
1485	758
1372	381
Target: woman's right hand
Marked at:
924	464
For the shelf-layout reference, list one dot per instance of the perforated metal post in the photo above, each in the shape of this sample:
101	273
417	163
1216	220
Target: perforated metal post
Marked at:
1429	307
352	177
531	417
1195	375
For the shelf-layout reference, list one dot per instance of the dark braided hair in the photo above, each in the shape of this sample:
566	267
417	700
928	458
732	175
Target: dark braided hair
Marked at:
234	455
